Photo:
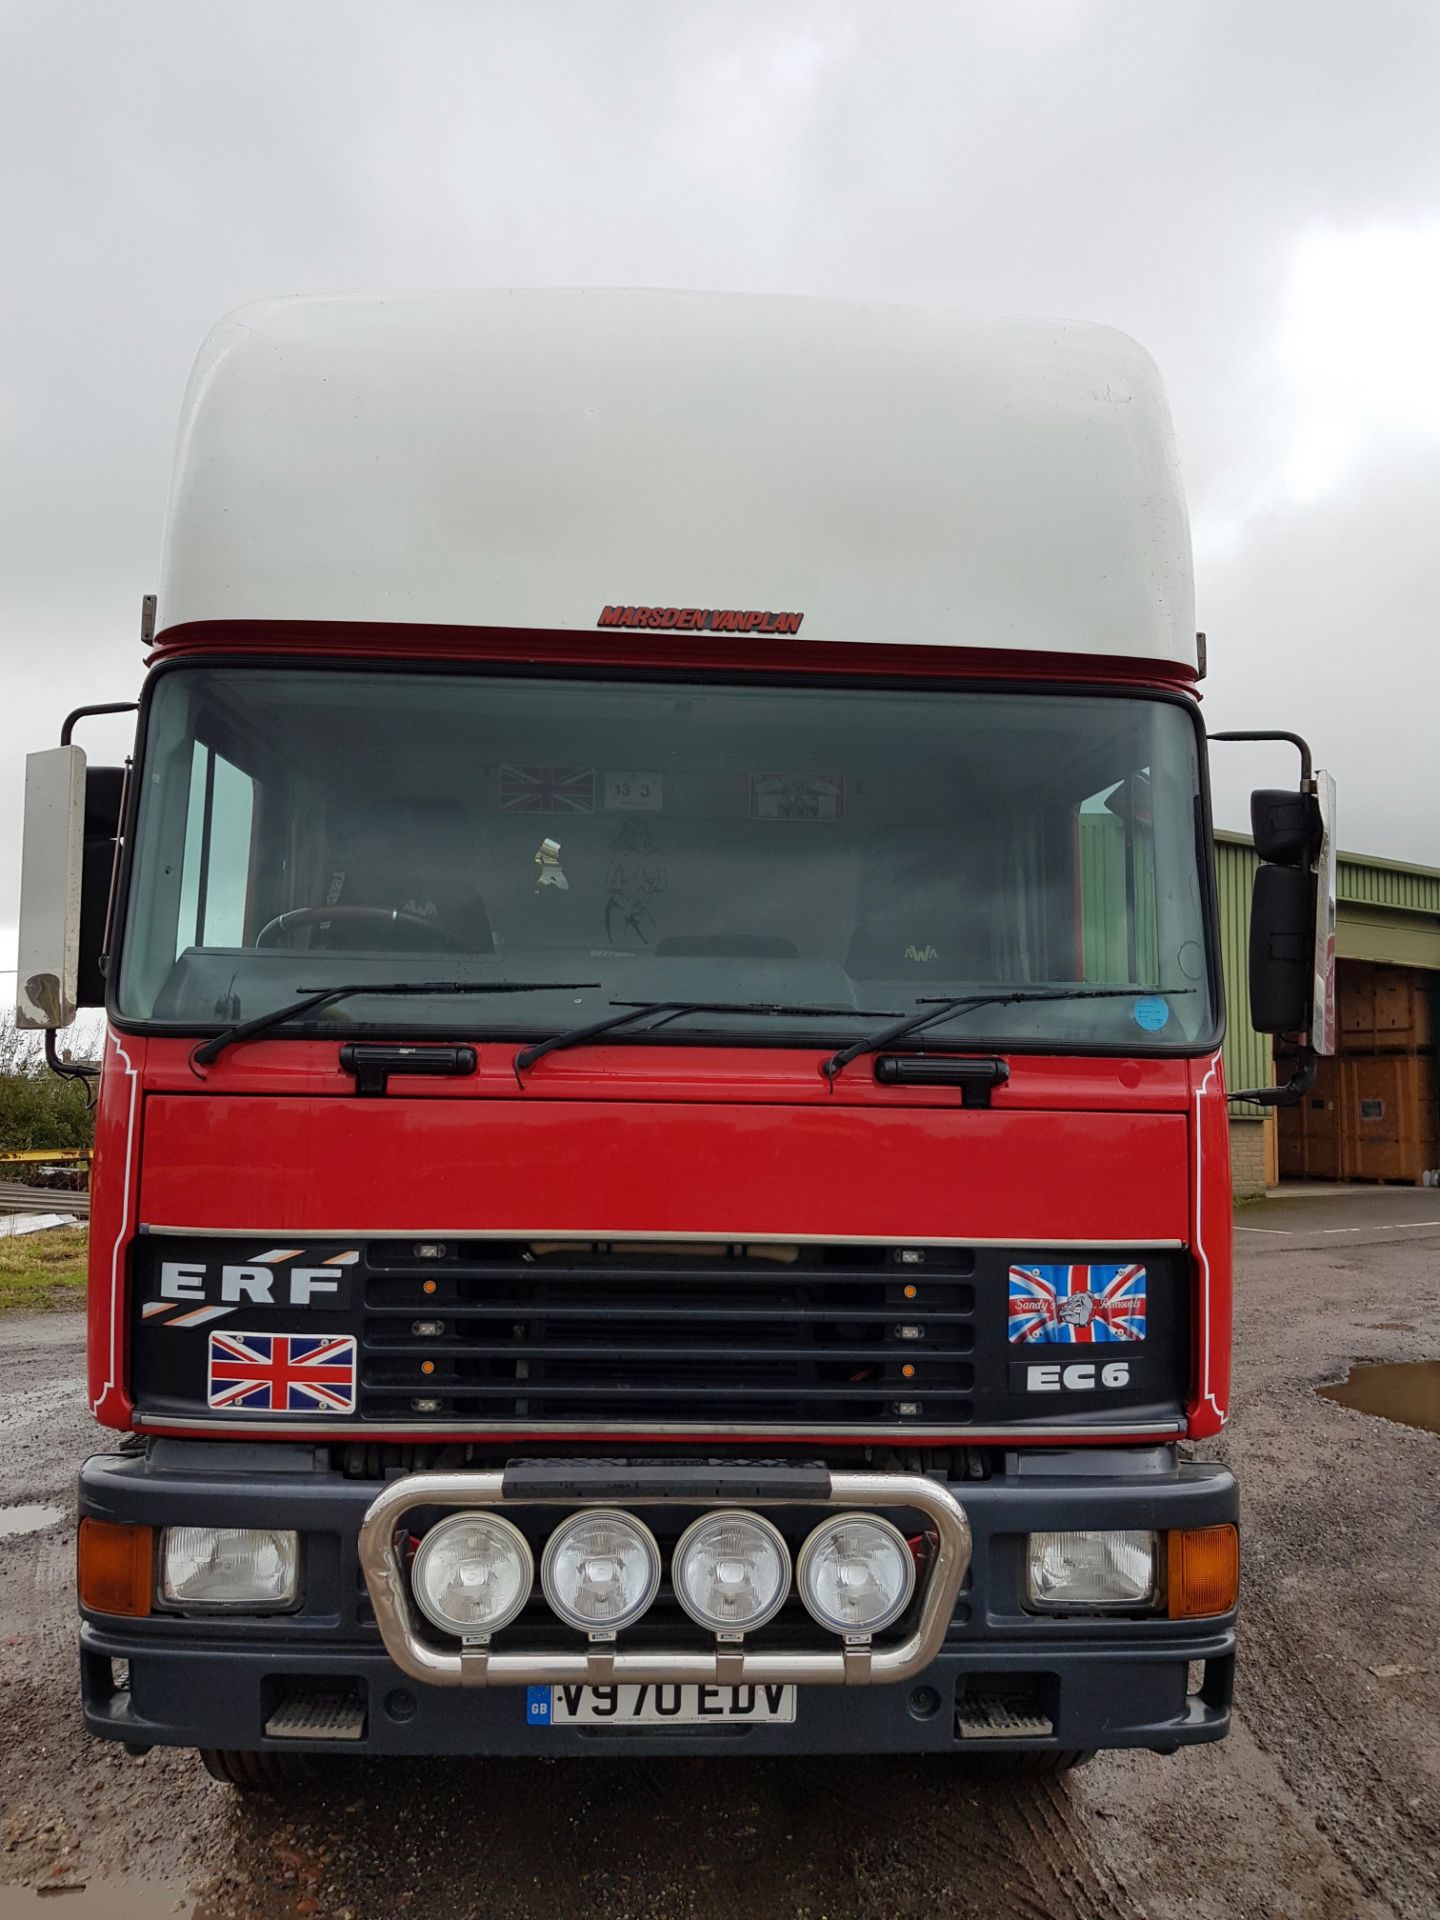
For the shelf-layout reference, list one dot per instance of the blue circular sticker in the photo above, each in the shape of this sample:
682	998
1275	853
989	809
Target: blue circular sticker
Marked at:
1151	1012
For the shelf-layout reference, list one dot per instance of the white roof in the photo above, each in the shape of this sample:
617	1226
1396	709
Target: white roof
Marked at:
526	459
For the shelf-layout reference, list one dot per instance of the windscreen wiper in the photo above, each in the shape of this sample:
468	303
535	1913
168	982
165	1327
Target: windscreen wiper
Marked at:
316	997
668	1010
939	1010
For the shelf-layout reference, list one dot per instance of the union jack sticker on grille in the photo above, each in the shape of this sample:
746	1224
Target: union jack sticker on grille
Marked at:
1076	1305
282	1372
547	789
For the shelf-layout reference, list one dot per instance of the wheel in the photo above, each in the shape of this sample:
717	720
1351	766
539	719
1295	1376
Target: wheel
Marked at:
255	1772
1039	1766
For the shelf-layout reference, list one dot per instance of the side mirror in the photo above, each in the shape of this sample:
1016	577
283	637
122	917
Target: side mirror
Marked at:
1292	914
1292	921
1282	947
71	823
1285	826
50	869
104	798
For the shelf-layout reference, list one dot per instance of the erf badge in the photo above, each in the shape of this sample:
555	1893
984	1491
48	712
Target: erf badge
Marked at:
548	861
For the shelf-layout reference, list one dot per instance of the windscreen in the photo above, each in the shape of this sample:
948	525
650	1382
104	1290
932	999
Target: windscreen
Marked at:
821	858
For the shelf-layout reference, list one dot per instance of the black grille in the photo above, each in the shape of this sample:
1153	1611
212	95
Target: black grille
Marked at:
750	1336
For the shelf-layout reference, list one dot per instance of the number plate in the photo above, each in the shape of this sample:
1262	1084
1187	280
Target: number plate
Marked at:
657	1706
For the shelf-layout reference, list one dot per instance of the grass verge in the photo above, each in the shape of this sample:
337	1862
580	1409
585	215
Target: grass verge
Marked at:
40	1270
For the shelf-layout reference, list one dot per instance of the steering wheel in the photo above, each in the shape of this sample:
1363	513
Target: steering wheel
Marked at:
299	917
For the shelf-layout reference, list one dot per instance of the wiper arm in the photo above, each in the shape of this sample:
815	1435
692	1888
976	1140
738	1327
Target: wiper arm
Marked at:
636	1010
968	1003
316	997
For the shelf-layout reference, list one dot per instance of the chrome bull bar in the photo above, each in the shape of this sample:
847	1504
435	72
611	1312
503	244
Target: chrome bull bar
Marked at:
850	1662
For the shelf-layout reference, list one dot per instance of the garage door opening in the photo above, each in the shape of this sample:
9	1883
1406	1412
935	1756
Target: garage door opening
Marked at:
1371	1115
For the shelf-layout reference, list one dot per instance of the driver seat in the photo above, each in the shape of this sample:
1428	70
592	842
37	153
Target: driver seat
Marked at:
407	856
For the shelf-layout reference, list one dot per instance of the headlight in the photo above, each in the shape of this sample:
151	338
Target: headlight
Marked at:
731	1571
600	1570
472	1573
249	1567
1102	1569
856	1574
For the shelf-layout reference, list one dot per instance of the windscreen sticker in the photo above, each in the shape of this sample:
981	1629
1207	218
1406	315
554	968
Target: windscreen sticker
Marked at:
547	790
1076	1305
631	891
797	796
282	1372
1151	1012
632	792
638	876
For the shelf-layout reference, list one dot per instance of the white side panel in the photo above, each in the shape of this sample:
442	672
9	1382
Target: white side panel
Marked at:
520	459
50	887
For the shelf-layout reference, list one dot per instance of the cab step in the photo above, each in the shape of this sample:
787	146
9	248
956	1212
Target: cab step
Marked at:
1000	1716
308	1715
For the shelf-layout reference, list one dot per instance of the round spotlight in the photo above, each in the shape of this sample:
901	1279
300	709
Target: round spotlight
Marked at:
731	1571
600	1570
472	1573
856	1573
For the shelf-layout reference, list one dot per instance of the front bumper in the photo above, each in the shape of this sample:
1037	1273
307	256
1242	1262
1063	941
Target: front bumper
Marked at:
217	1682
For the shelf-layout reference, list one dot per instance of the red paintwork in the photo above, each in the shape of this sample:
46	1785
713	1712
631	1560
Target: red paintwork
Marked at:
539	1169
736	653
1212	1241
663	1140
666	1073
114	1199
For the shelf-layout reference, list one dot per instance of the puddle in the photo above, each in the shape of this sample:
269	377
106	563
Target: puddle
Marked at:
30	1519
99	1900
1407	1391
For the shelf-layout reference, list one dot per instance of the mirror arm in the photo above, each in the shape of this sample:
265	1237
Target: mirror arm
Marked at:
1294	1089
84	713
1307	773
66	1069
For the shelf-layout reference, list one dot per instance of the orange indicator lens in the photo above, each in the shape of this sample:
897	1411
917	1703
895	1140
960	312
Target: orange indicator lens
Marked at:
1204	1572
114	1567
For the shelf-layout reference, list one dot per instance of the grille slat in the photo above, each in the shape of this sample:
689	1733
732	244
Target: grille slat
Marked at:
684	1338
596	1310
538	1389
434	1349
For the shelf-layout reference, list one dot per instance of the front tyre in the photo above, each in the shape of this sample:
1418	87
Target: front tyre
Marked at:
1036	1766
274	1773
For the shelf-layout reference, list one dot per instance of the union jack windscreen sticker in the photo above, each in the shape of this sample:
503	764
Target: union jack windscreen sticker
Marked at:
283	1372
1076	1304
547	789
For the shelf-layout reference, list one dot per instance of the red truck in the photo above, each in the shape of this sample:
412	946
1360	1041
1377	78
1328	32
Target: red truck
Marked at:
661	1159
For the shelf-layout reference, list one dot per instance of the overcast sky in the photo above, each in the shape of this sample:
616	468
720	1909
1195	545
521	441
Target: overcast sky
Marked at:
1251	188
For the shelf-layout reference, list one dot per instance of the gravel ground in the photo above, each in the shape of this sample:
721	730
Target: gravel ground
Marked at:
1323	1805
